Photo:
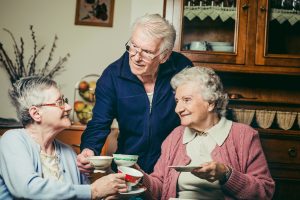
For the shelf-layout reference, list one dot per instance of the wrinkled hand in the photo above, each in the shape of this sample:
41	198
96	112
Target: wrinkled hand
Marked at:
109	185
83	163
210	171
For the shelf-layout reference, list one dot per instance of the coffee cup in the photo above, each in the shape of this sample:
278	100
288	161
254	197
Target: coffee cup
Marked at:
100	162
132	176
125	159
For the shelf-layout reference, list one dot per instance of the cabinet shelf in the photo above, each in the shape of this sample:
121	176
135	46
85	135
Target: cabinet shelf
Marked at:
278	133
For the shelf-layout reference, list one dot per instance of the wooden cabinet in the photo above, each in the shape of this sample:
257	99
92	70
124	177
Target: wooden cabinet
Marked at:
278	35
259	61
190	29
72	136
282	150
262	41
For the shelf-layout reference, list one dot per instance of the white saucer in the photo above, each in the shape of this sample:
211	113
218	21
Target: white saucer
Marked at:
133	192
184	168
99	171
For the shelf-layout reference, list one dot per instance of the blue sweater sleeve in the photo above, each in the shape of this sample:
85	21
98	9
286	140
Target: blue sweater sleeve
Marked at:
98	127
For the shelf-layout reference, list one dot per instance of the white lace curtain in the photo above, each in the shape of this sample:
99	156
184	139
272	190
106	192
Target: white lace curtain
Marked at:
210	11
225	13
292	16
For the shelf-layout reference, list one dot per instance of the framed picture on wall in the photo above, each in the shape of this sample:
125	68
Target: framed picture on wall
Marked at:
94	12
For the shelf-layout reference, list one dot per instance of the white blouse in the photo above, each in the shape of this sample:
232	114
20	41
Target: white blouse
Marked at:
50	167
199	148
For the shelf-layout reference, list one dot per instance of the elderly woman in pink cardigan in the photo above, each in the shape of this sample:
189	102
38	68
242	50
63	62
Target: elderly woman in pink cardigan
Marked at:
226	158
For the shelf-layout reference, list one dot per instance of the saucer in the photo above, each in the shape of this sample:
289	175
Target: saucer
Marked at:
184	168
99	171
134	192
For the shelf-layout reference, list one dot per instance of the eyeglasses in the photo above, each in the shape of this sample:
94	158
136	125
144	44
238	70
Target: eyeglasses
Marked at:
144	54
61	102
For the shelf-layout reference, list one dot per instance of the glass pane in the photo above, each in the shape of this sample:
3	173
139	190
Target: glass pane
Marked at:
209	25
284	27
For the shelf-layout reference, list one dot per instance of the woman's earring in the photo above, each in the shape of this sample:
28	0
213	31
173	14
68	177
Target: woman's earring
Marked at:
211	107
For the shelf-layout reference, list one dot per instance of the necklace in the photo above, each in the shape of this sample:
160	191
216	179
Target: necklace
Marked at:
50	166
49	162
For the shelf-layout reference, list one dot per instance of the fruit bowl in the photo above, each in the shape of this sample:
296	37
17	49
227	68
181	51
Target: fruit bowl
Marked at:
87	90
85	114
84	98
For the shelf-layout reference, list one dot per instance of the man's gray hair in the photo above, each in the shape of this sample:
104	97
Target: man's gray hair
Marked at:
27	92
209	83
155	26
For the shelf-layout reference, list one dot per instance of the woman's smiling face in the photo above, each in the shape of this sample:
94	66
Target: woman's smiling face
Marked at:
191	108
54	116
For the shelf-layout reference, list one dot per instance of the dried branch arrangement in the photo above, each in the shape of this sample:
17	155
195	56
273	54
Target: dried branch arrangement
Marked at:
17	69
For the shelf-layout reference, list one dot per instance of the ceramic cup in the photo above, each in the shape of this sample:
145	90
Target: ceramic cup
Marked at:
198	45
100	162
132	176
125	159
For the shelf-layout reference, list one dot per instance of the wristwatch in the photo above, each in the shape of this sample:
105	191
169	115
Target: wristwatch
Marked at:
226	176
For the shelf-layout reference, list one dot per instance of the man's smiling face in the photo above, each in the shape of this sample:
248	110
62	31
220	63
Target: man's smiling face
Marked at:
142	42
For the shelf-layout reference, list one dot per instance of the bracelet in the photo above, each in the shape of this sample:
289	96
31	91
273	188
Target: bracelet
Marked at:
226	176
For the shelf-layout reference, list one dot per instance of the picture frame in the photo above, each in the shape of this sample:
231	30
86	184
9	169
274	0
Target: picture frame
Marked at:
94	12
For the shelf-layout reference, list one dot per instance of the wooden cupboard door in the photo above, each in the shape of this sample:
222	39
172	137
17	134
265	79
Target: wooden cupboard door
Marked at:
282	151
207	23
278	34
287	189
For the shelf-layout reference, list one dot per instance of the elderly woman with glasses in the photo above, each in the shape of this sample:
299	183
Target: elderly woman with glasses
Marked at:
136	91
208	156
34	165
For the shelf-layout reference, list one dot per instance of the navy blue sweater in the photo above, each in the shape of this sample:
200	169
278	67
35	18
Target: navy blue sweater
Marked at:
121	95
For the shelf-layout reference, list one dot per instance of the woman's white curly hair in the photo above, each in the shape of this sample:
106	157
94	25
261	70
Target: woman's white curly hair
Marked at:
211	87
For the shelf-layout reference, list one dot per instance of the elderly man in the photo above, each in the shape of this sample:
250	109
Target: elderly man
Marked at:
136	91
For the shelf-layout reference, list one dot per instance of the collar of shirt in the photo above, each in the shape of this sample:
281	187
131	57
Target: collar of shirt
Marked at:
218	132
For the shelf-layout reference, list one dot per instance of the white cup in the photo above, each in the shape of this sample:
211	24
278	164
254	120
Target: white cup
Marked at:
132	176
198	45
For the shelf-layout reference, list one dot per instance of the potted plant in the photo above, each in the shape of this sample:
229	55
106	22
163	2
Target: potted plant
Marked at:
17	67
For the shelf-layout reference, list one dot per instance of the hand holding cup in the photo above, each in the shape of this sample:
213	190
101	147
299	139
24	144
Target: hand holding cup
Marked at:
100	163
132	176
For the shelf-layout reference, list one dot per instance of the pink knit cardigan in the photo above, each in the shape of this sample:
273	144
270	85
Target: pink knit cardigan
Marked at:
250	177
